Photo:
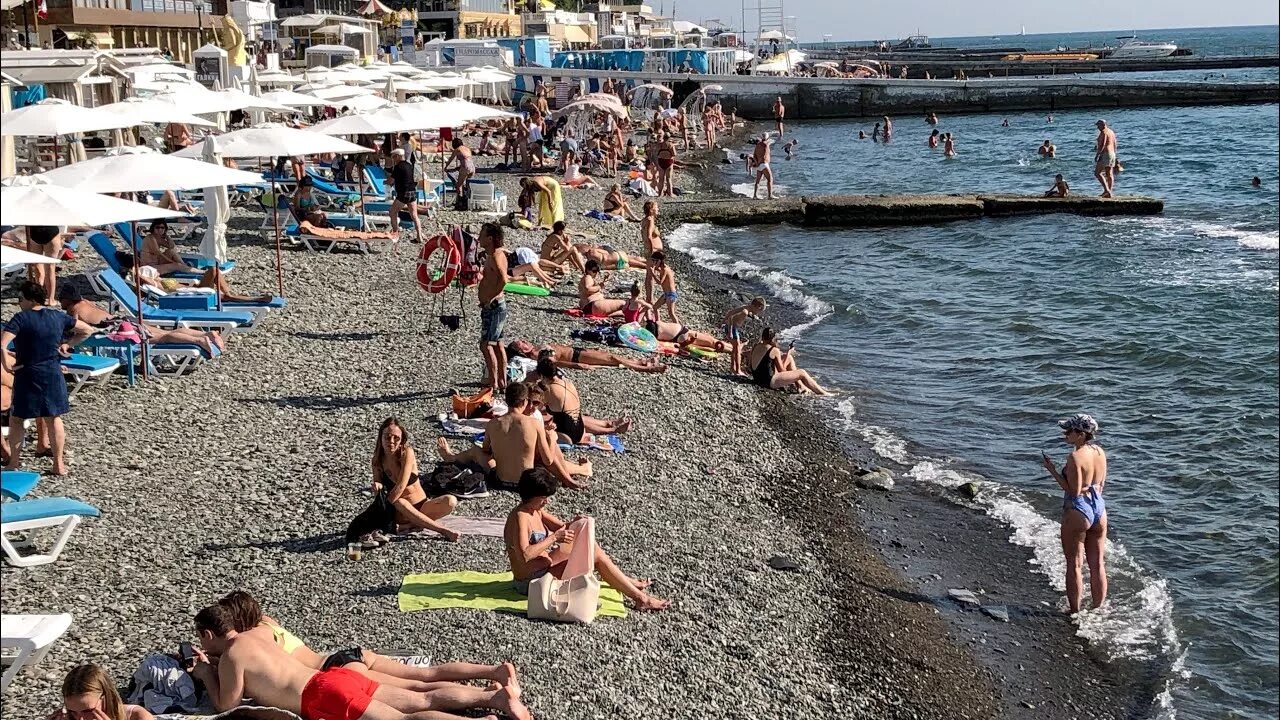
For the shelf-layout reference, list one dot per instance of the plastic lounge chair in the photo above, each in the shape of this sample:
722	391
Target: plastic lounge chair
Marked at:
166	359
31	636
123	296
328	239
486	196
125	231
10	273
177	301
106	249
16	484
60	512
84	369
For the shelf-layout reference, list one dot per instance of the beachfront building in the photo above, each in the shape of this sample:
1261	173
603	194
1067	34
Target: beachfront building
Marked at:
298	33
256	18
292	8
566	29
468	19
173	25
83	77
636	21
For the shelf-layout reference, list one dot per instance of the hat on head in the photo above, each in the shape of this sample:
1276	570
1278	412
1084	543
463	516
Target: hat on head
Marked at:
398	151
1080	422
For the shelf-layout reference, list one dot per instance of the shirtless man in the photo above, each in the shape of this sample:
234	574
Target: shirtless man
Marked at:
779	114
575	358
77	307
649	234
658	273
1104	159
514	443
1047	150
888	128
252	666
733	322
761	157
493	307
1060	187
557	249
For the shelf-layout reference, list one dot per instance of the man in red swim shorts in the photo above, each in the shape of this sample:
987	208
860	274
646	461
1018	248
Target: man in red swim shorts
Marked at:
337	694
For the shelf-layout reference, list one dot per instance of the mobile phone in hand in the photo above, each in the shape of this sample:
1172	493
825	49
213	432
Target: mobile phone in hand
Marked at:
187	656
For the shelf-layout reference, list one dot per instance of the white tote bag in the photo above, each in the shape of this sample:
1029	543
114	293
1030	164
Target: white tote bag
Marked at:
575	598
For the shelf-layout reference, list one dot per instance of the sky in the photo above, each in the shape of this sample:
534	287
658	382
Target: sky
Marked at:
856	20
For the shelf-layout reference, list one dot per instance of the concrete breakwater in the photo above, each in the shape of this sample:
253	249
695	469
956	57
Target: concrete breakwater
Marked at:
752	96
920	63
880	210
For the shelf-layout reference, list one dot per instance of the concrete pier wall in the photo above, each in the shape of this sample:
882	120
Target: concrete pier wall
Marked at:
881	210
808	98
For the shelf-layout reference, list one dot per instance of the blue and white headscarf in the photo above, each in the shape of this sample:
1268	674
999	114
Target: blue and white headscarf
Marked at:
1080	422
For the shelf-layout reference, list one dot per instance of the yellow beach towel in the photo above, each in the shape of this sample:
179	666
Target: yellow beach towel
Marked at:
550	204
482	591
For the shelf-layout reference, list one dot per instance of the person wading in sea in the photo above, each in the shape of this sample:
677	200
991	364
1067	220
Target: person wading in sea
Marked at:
779	114
1104	160
1084	513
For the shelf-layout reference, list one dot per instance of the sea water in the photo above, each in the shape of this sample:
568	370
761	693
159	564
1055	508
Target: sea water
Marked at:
956	346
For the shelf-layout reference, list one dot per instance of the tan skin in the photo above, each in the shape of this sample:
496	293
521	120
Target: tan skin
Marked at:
556	248
1105	171
1086	467
591	295
412	506
91	314
665	278
490	290
159	252
734	319
785	373
547	453
615	204
88	706
562	396
609	259
551	553
764	171
392	672
251	666
649	234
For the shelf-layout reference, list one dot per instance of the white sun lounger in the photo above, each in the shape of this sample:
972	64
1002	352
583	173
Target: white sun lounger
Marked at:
31	636
47	512
84	369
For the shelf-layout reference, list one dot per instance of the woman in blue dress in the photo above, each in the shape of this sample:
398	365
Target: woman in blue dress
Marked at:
39	390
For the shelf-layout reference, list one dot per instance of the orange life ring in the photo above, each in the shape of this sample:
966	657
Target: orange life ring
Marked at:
428	280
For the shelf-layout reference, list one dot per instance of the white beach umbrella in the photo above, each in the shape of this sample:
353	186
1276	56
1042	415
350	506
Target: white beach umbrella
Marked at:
389	90
278	77
275	140
146	171
395	118
45	204
415	86
293	99
217	207
364	103
14	256
150	110
340	92
57	117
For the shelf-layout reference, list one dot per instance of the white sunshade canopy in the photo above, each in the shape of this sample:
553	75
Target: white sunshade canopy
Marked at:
58	117
200	102
293	99
341	92
363	103
274	140
146	171
14	256
148	110
279	78
45	204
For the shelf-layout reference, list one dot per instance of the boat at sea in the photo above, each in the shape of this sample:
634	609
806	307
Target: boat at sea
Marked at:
1132	47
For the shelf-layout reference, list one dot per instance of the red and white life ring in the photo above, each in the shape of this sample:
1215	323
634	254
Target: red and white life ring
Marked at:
428	279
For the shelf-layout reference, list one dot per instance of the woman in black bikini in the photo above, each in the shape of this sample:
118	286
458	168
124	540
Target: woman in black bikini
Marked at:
395	472
591	299
616	205
564	405
774	369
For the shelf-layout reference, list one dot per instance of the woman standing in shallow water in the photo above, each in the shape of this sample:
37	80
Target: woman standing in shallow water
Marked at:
1084	513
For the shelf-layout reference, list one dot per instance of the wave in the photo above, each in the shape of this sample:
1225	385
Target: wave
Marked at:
688	238
745	189
1245	237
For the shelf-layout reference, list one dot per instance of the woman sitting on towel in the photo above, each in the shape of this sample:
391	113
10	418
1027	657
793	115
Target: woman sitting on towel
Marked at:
637	310
248	617
573	175
564	405
304	205
539	543
89	693
615	204
395	472
773	369
576	358
591	299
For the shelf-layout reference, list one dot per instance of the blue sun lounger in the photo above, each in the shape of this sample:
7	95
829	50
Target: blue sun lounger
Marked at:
123	296
16	484
25	515
125	230
84	369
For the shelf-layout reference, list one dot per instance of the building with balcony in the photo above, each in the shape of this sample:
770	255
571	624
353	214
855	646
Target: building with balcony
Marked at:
468	19
566	29
290	8
630	20
179	26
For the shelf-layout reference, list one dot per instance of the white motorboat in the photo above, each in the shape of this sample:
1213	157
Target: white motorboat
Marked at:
1132	47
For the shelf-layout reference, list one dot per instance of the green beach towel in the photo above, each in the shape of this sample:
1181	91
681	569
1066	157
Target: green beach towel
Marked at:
482	591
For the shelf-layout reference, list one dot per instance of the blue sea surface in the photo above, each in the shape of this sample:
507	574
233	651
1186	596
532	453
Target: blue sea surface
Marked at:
957	345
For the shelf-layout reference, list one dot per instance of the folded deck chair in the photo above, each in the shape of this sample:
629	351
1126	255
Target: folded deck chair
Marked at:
60	512
123	296
15	484
30	636
486	196
84	369
328	239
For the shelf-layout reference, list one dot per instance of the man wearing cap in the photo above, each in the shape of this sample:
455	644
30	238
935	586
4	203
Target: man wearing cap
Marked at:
406	192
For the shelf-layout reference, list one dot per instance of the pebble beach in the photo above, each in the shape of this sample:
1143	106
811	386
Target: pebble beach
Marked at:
790	595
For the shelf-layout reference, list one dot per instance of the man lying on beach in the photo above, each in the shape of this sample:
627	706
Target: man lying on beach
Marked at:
515	442
1047	150
539	543
249	619
250	666
733	322
608	256
576	358
74	304
1060	187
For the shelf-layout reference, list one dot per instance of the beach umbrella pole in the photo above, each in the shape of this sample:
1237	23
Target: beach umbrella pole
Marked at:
275	215
137	289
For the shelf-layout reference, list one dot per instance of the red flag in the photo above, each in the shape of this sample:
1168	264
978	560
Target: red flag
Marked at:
42	10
